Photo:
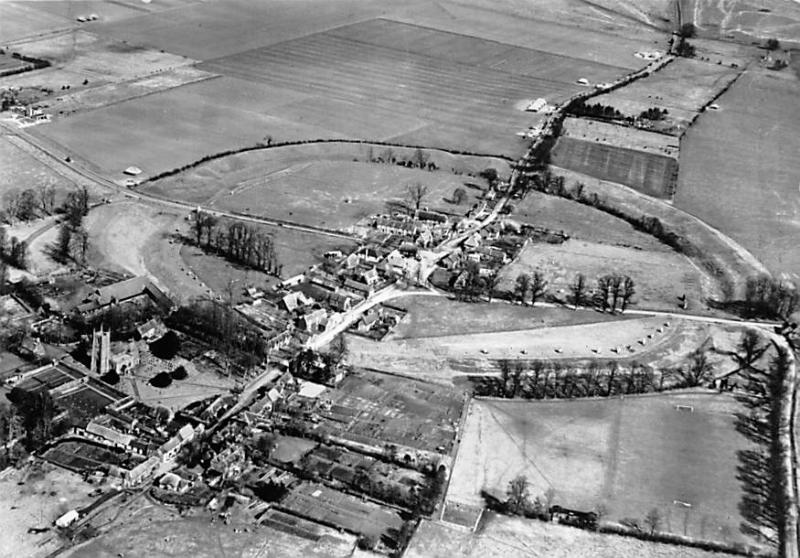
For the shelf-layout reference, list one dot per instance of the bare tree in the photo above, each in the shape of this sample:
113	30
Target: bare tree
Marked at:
628	290
603	291
522	286
578	288
538	286
653	520
416	193
698	370
615	285
491	282
518	495
749	349
47	198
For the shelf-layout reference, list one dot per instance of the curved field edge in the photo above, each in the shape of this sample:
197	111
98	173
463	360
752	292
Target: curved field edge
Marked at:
367	143
721	259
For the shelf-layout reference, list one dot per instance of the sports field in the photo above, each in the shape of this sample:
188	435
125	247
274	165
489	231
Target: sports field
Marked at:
740	168
677	453
648	173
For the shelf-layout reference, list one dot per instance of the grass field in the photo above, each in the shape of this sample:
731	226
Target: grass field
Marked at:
729	263
648	173
631	455
310	190
160	532
740	171
560	263
432	316
20	169
502	537
682	88
581	222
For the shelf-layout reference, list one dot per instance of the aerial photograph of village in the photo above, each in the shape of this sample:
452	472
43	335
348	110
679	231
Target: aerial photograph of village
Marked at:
384	278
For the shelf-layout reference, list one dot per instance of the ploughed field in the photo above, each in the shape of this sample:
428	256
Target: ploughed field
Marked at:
678	453
378	79
649	173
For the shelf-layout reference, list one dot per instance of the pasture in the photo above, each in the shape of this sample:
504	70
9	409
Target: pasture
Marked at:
434	316
326	185
683	87
740	170
22	168
147	530
678	453
581	222
649	173
560	264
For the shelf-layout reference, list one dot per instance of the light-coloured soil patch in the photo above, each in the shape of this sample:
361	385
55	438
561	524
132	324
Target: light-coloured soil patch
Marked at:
136	238
443	358
81	56
43	498
560	263
502	537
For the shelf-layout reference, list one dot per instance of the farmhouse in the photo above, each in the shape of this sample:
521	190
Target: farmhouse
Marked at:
131	290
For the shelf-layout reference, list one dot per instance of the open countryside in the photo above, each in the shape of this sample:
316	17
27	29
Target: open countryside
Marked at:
424	279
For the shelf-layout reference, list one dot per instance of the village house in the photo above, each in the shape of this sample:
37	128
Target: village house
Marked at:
295	300
396	226
313	321
130	290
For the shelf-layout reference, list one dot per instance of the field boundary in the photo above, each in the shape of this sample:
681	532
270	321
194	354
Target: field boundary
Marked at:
260	146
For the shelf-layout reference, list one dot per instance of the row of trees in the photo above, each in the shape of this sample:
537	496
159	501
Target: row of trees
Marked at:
595	110
237	242
529	288
540	379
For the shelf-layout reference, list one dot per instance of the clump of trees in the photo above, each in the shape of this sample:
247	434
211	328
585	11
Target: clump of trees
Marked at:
167	346
73	240
529	288
653	113
237	242
684	48
239	341
13	252
614	292
770	298
36	411
161	380
772	44
518	500
595	110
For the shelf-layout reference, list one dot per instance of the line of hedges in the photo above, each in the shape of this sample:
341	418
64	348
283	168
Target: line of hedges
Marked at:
259	146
